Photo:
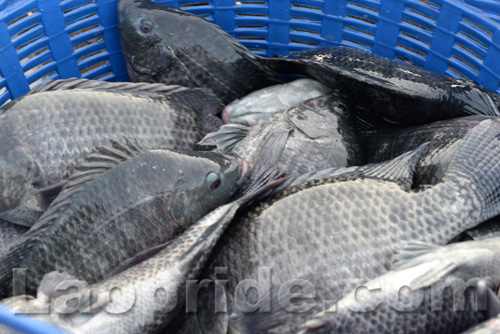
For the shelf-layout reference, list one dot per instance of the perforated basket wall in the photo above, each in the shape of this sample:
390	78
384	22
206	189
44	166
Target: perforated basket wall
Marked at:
49	39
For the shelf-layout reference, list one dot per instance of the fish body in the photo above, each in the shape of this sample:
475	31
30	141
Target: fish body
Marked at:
47	133
344	231
167	45
391	89
313	135
425	293
153	291
123	201
277	98
9	233
443	137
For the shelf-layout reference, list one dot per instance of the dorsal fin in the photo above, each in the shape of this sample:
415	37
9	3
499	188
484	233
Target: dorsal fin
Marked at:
408	256
105	86
226	137
93	166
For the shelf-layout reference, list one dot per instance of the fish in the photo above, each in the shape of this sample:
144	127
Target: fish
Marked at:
120	202
432	289
157	287
313	135
343	230
48	132
9	233
492	325
393	90
164	44
277	98
443	138
485	230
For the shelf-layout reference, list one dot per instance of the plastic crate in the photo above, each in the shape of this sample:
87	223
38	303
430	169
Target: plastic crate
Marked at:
50	39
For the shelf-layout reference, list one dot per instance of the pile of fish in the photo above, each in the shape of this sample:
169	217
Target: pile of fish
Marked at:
211	196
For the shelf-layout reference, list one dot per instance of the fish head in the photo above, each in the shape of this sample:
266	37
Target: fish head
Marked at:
142	39
17	172
213	178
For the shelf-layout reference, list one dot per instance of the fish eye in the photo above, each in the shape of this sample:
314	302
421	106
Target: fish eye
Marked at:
213	180
146	26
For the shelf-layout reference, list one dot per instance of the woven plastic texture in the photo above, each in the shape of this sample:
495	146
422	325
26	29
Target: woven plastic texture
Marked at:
49	39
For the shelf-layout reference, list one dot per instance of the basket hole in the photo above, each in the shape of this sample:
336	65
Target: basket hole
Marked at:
67	11
243	2
304	19
252	27
23	61
296	5
356	42
76	33
473	39
102	76
412	50
364	19
22	17
414	37
248	14
458	73
360	31
90	55
34	69
464	48
429	3
251	38
90	68
361	6
417	25
92	41
304	42
465	63
304	30
479	27
420	14
19	48
205	16
197	4
81	19
42	79
258	50
25	31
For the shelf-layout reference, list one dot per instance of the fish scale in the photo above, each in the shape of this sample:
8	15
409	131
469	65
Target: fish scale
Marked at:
338	218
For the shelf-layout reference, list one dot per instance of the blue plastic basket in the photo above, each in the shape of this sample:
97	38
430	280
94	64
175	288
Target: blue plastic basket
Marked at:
50	39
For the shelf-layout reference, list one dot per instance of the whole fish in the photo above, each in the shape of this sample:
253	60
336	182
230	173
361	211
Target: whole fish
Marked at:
425	293
277	98
47	133
443	137
313	135
9	233
167	45
391	89
121	202
153	291
345	229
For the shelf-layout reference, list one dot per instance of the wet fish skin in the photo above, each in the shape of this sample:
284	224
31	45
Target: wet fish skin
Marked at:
183	49
313	135
47	133
340	231
170	269
277	98
9	233
416	96
427	270
485	230
443	138
115	207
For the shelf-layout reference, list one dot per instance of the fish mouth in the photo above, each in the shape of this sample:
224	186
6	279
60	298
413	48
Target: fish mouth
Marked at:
243	172
225	114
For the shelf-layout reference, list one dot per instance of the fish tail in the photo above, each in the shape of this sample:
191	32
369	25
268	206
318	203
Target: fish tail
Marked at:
478	160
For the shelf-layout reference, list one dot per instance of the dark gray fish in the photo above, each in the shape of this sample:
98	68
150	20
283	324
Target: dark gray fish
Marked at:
45	134
277	98
167	45
394	90
9	233
486	230
153	292
123	201
344	230
313	135
443	137
431	290
491	326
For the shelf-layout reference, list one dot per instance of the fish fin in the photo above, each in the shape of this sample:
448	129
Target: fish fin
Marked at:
409	255
477	159
268	311
106	86
55	284
432	275
226	137
138	258
271	147
49	193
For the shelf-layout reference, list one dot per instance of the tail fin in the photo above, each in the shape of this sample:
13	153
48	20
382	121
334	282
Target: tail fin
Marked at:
478	160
